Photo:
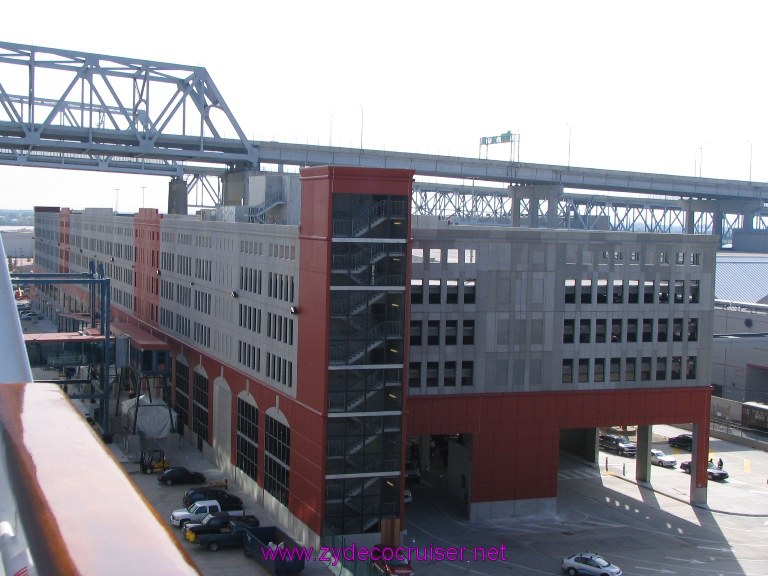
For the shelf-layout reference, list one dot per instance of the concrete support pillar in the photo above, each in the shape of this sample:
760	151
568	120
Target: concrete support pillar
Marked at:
533	213
643	464
699	459
424	452
748	221
717	222
515	209
177	197
552	221
690	221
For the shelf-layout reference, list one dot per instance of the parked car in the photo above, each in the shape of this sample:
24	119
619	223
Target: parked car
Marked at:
622	445
412	473
660	459
393	567
589	563
180	475
682	441
228	501
713	472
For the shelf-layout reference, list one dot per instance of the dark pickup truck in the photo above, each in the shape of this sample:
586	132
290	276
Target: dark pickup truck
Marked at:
216	522
229	536
274	549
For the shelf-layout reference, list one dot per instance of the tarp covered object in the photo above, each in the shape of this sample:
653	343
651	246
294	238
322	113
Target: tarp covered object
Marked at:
153	418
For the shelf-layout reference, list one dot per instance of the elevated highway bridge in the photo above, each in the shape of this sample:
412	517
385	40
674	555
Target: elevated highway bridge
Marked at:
117	114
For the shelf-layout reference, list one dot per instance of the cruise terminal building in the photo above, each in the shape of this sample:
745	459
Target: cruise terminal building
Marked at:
320	336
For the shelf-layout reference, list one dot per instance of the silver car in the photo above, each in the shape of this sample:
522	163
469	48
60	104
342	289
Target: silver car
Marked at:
660	459
589	563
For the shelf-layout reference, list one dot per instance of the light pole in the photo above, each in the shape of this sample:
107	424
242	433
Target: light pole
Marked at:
569	145
117	198
142	196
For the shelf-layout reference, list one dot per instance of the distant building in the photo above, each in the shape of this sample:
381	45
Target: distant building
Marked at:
324	337
740	347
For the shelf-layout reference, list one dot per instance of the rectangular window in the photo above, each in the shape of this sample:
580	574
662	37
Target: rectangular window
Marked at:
677	330
569	327
434	255
616	330
615	369
433	332
676	368
599	369
469	291
693	329
468	332
663	291
634	292
648	291
417	292
679	291
693	292
451	332
415	335
662	329
645	368
414	375
449	373
570	291
661	368
452	292
632	330
467	373
648	330
690	368
583	369
630	369
434	291
432	374
601	330
602	291
586	291
618	292
584	331
567	371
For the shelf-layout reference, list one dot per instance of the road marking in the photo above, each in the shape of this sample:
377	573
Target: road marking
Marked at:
717	549
659	570
691	560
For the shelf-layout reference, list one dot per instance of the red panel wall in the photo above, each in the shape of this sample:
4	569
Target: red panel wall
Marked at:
508	429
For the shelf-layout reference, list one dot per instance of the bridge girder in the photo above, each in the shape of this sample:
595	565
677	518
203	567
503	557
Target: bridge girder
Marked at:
111	113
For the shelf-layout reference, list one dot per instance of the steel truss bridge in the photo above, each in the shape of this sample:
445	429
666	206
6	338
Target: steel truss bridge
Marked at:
75	110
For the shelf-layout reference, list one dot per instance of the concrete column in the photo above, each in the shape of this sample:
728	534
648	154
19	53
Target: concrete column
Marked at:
424	456
515	208
717	222
748	221
699	458
533	213
552	213
643	464
690	217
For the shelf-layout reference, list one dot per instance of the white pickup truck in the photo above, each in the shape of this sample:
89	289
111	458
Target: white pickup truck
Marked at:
197	511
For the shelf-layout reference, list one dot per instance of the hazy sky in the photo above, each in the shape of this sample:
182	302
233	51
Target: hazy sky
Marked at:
656	86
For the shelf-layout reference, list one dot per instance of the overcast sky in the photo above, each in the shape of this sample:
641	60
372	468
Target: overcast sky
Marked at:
655	86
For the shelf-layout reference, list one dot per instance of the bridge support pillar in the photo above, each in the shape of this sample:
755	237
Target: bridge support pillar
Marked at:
535	195
177	197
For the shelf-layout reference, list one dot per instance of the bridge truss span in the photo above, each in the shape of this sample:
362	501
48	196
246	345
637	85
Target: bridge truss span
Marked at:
66	109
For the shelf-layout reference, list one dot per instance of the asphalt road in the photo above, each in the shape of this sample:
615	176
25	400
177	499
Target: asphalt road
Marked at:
644	531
